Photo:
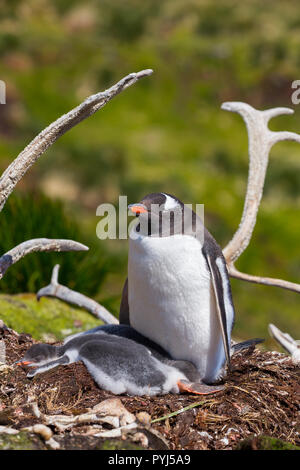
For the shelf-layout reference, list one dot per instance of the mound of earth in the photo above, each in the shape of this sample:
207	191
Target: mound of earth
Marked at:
64	408
47	319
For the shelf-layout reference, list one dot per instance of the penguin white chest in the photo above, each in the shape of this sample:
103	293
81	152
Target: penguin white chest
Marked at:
171	299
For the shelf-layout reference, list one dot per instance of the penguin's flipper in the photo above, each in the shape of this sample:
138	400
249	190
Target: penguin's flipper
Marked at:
124	306
245	344
198	388
217	267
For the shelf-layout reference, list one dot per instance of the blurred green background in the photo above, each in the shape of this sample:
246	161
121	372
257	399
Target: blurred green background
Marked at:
166	133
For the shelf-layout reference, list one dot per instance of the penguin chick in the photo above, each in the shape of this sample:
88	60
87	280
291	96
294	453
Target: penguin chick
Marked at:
119	365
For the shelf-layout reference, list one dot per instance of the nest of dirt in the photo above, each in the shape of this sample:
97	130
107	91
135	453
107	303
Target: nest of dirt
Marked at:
261	397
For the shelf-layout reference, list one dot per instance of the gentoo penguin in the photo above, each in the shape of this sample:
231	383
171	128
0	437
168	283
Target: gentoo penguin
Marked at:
178	292
119	365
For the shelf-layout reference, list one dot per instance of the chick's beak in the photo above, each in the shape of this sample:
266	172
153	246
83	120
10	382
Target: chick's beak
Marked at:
138	208
23	363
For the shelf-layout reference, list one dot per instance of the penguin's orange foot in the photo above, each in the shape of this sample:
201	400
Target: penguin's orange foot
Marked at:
198	388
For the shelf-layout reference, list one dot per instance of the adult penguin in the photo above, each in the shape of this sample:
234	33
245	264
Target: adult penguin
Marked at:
178	292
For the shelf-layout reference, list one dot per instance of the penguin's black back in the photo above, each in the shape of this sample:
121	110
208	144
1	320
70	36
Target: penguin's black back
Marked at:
126	331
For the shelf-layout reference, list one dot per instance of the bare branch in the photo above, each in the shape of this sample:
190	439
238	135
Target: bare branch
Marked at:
261	140
37	244
54	289
48	136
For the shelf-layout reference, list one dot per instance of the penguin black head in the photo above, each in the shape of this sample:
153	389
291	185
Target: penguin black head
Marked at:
160	214
37	354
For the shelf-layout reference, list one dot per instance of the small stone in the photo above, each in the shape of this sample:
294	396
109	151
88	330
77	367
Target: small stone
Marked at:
44	431
140	438
53	444
143	418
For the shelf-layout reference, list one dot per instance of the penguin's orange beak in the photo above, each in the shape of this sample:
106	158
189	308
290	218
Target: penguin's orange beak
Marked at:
137	208
23	363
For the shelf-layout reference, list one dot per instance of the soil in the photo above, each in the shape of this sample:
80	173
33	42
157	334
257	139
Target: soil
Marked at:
261	397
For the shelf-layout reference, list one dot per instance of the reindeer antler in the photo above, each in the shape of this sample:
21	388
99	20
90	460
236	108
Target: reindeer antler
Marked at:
54	289
48	136
36	148
34	245
261	140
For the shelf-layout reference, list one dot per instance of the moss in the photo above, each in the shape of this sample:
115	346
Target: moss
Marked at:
21	441
82	442
115	444
46	319
265	443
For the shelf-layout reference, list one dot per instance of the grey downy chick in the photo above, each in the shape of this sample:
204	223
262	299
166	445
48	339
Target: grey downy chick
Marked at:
119	365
